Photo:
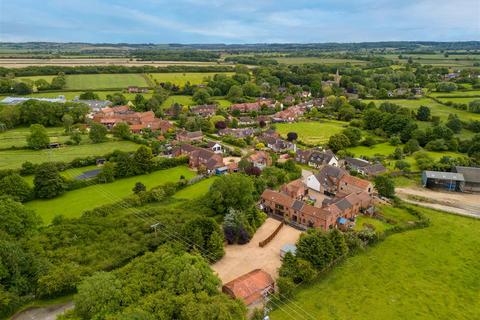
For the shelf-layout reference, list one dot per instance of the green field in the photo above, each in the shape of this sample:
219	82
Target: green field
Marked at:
436	108
455	94
73	203
180	78
68	174
104	81
11	159
314	132
35	78
195	190
183	100
70	95
459	100
430	273
302	60
18	137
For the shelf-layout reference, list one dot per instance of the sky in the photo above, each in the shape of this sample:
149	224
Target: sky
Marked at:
238	21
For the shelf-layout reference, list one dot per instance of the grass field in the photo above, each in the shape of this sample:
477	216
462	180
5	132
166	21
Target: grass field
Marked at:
459	100
302	60
183	100
11	159
68	174
456	93
429	273
436	108
314	132
73	203
98	81
195	191
70	95
18	137
180	78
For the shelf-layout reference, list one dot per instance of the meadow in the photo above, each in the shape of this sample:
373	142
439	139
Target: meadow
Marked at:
13	159
314	132
67	174
436	108
18	137
70	95
73	203
183	100
429	273
180	78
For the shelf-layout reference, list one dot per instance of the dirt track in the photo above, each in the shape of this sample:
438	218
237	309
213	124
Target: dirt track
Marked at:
240	259
454	202
43	313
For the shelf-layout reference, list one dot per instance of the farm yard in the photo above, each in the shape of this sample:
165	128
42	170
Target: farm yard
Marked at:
72	203
314	132
12	159
429	273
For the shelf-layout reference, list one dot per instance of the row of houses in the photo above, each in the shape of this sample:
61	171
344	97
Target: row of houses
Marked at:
331	198
253	106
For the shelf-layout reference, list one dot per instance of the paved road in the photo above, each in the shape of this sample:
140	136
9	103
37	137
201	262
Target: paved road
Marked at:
44	313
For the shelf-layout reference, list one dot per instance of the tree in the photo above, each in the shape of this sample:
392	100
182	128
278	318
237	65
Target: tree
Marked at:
292	136
231	191
89	95
250	89
98	133
47	181
38	138
339	244
454	123
201	96
15	219
204	235
423	113
411	146
385	186
22	88
143	159
286	287
139	187
67	122
76	137
402	165
353	134
316	247
14	186
121	130
107	174
338	142
235	93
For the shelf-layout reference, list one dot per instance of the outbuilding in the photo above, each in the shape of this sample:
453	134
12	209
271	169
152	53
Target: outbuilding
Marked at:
450	181
251	287
471	176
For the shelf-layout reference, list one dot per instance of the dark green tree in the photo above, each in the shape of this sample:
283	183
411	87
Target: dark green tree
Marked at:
385	186
48	183
98	133
14	186
38	138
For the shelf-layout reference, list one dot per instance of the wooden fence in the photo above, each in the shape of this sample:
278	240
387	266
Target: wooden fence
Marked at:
264	242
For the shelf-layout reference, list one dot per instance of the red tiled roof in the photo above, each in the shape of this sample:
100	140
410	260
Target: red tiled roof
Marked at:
249	287
354	181
277	197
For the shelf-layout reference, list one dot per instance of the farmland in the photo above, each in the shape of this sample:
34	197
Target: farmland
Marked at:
11	159
73	203
436	108
429	273
314	132
180	78
302	60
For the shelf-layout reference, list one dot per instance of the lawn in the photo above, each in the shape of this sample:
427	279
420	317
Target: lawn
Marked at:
314	132
180	78
104	81
436	108
73	203
195	191
18	137
362	221
68	174
183	100
429	273
11	159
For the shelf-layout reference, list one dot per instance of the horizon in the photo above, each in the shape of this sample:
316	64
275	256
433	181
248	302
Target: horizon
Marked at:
227	22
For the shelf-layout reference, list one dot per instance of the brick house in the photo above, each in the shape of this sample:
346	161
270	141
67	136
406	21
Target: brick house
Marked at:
205	110
200	157
316	158
260	159
187	136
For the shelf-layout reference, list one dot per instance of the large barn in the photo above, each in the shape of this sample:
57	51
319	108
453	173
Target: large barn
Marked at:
471	176
450	181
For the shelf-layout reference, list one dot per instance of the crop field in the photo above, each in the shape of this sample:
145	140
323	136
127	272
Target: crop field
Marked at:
302	60
73	203
180	78
104	81
429	273
12	159
436	108
18	137
314	132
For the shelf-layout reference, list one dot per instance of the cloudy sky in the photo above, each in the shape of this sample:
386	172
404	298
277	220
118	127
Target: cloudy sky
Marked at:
238	21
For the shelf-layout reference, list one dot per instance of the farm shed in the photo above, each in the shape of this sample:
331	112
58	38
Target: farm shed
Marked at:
444	180
288	248
471	176
250	287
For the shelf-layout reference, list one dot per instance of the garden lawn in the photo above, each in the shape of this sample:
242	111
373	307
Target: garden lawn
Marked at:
195	190
104	81
73	203
430	273
18	137
182	100
180	78
12	159
312	132
436	108
379	226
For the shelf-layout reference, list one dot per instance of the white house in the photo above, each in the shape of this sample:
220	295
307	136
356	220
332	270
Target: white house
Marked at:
215	147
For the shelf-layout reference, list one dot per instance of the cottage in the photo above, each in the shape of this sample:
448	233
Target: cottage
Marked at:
244	121
260	159
327	180
350	184
215	147
251	287
277	144
364	167
205	110
237	133
316	158
199	157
